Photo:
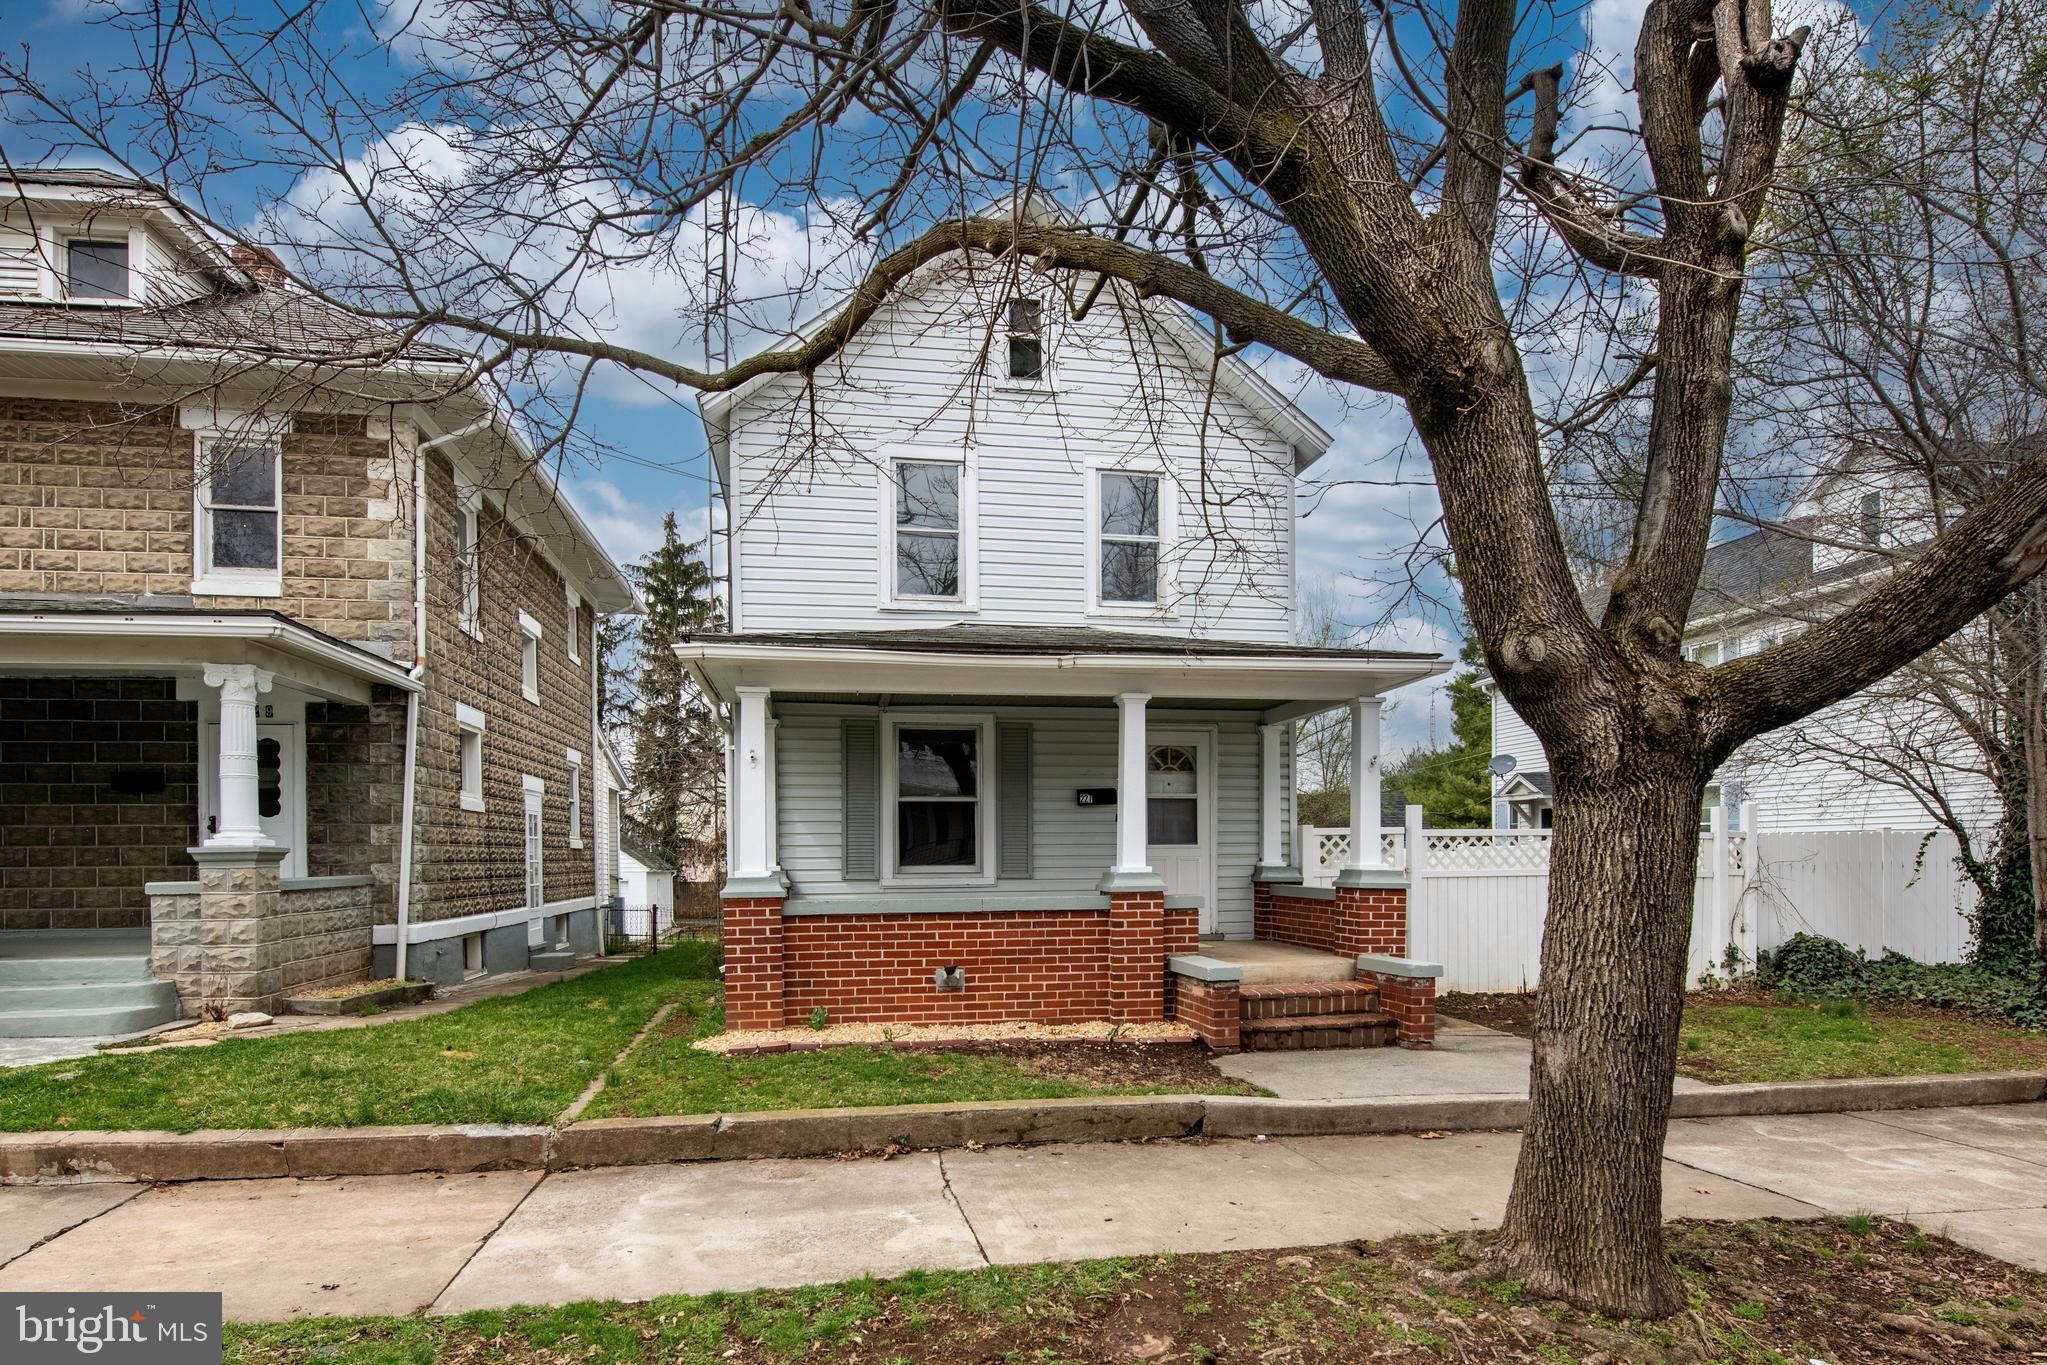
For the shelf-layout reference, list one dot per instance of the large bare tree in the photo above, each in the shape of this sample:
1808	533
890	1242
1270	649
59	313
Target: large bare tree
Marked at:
1456	208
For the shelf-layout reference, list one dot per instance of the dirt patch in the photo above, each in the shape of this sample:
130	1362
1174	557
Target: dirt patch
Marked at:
1187	1067
1512	1012
1844	1292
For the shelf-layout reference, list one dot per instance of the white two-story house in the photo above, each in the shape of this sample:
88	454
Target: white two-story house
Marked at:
1012	667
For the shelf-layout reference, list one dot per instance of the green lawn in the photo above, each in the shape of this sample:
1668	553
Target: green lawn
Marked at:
526	1058
514	1059
1758	1293
1793	1040
666	1075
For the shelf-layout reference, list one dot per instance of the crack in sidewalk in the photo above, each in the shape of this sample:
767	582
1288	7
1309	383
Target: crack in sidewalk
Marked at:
945	1181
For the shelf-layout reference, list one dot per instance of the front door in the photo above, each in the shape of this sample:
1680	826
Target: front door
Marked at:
280	790
1176	791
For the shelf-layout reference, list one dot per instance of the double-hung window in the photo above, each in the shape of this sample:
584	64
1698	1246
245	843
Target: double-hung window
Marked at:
937	790
927	530
529	657
1024	321
469	755
575	631
238	545
575	799
1128	538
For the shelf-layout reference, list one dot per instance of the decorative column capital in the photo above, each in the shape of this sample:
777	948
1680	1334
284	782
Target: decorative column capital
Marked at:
238	682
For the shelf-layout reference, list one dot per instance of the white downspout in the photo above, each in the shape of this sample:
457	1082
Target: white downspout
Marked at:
417	672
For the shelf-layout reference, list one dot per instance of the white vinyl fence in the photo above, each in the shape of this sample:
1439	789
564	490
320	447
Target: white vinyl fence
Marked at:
1477	897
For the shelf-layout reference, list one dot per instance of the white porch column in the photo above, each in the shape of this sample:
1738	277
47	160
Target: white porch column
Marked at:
239	824
1365	854
1272	742
1132	829
751	812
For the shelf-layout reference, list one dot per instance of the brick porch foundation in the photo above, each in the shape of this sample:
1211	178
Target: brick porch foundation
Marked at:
1407	991
1347	920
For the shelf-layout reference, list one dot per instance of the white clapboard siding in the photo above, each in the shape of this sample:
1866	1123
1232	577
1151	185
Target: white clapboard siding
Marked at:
808	470
1072	844
1877	890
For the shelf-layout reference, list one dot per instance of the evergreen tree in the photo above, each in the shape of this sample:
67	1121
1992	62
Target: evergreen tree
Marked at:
1449	783
671	729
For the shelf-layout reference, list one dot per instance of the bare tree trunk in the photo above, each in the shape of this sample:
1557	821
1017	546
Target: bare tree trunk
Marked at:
1587	1194
2033	733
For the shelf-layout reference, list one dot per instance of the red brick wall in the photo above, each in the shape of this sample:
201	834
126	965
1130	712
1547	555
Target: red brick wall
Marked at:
1051	966
1411	1000
1183	931
1137	957
1358	920
1210	1008
753	963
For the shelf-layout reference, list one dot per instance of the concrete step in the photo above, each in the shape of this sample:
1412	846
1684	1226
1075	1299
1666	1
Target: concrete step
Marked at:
1302	1034
551	960
89	1021
87	995
1300	1000
62	971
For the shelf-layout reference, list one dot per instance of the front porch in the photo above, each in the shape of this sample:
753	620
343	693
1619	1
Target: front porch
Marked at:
198	797
963	827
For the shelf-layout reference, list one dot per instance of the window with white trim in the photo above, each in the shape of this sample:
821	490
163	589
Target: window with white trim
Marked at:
238	540
927	538
529	658
1128	538
469	755
575	799
575	632
468	559
97	268
938	798
1024	322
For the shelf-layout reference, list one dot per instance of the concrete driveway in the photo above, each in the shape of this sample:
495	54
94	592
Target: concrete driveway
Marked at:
399	1244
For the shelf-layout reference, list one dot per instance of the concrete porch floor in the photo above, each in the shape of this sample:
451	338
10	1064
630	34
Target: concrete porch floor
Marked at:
1266	963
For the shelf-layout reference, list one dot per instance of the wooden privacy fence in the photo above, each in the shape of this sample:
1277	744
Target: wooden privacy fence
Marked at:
1477	897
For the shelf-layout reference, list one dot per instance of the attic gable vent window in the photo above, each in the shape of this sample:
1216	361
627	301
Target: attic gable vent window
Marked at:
1026	323
96	269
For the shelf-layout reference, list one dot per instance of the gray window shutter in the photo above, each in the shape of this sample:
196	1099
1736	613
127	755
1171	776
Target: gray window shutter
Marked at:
860	801
1013	808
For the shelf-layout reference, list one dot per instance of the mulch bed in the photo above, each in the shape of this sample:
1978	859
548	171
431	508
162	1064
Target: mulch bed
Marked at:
1189	1067
1510	1013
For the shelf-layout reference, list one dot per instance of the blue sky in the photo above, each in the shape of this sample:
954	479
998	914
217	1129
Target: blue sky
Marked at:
1362	507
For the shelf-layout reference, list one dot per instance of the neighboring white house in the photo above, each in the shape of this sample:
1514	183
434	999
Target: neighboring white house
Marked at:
1012	602
645	879
1753	591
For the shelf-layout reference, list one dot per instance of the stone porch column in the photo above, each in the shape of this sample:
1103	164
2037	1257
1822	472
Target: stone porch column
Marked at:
239	928
238	824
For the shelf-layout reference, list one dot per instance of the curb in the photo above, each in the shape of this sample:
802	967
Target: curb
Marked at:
254	1154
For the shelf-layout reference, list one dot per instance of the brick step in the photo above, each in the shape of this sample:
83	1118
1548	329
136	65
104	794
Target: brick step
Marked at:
1302	1034
1308	999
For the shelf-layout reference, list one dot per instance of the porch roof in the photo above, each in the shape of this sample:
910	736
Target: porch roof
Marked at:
99	635
1283	681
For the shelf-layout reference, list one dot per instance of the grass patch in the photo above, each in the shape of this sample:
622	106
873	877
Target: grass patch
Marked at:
1752	1034
513	1059
1757	1292
667	1075
526	1058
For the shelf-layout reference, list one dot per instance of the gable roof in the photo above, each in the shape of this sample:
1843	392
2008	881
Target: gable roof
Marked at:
1233	375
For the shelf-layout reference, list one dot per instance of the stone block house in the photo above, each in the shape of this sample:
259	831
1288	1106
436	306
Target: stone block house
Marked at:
1012	680
297	641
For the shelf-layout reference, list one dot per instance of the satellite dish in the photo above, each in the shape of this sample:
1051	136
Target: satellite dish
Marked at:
1501	765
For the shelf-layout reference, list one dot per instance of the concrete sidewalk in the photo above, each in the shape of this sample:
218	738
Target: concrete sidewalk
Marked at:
397	1244
1468	1060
